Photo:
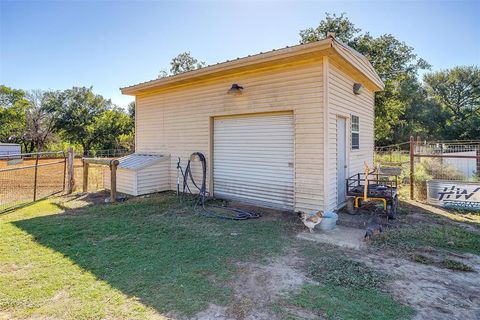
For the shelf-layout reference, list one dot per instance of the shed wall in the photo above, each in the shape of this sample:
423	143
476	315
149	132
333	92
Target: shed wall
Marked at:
8	149
155	178
179	121
343	102
126	182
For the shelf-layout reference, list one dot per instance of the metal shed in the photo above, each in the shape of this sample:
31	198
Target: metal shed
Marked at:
141	173
280	129
9	149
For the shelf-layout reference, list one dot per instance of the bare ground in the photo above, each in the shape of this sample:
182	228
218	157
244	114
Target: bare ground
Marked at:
258	286
433	292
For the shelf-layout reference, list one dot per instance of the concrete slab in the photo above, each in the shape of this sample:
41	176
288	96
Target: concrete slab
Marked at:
340	236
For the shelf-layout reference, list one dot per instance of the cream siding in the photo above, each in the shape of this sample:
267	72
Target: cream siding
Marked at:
154	178
126	181
344	103
179	121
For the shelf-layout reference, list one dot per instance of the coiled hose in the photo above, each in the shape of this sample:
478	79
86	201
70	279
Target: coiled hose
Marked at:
202	196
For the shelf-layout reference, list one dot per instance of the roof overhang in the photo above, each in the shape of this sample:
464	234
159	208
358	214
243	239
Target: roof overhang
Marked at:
344	55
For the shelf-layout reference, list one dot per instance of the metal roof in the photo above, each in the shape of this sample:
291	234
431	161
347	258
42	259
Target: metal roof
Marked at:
137	161
256	58
9	144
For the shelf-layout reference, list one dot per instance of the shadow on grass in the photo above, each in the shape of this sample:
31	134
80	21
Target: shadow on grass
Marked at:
157	250
440	215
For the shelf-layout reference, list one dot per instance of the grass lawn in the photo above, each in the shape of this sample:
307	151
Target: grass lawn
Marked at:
131	260
150	258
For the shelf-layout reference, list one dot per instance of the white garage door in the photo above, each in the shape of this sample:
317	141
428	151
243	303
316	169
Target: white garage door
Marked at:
253	159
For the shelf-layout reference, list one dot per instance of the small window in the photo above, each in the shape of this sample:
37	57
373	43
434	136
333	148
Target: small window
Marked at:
355	133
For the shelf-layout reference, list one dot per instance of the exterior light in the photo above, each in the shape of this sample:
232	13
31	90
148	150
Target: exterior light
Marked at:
357	88
235	89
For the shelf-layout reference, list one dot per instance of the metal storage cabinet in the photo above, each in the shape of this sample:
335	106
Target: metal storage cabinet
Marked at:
141	173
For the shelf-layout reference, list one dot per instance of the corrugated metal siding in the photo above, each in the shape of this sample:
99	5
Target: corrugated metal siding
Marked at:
178	121
342	102
155	178
9	148
126	181
253	159
137	161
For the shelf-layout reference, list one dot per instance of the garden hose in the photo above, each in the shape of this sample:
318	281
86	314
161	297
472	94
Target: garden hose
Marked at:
202	196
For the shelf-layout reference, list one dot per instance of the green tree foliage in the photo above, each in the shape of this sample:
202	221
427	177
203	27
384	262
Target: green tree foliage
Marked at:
344	29
75	116
13	110
185	62
457	93
397	65
87	119
40	122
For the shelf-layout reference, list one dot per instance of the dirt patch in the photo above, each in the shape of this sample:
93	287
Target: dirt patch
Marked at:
257	287
433	292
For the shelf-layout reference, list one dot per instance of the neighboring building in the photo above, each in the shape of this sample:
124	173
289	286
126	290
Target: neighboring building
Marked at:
10	149
282	129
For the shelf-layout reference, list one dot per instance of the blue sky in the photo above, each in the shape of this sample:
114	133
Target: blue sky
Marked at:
110	44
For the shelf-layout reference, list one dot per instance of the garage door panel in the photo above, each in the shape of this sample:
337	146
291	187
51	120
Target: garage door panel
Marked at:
253	159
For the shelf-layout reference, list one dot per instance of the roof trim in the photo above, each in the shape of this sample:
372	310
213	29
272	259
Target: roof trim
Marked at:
354	58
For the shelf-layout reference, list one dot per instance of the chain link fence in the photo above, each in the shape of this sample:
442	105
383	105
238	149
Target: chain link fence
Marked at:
430	169
28	177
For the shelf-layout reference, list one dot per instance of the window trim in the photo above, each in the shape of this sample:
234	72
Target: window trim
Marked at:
353	131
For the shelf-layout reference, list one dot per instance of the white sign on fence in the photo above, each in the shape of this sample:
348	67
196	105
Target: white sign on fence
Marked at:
454	194
468	167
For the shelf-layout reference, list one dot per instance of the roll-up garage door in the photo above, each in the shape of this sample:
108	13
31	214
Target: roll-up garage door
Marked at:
253	159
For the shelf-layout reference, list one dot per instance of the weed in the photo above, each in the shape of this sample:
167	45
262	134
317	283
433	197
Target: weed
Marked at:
338	271
455	265
344	303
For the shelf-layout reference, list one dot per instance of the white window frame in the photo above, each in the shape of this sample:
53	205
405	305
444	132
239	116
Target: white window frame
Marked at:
354	131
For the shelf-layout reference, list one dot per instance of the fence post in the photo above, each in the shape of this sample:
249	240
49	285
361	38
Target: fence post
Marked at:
35	179
85	176
70	170
412	169
113	180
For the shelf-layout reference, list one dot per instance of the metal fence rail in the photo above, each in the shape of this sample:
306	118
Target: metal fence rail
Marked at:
455	163
25	178
28	177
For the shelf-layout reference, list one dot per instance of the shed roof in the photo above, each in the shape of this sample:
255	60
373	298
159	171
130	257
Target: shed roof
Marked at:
329	46
9	144
137	161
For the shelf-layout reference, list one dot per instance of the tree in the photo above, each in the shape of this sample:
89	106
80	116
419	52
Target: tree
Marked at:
394	60
13	106
89	120
77	112
112	129
457	92
40	121
344	30
185	62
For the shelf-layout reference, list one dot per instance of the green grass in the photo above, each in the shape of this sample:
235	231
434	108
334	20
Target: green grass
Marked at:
447	237
132	260
346	303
